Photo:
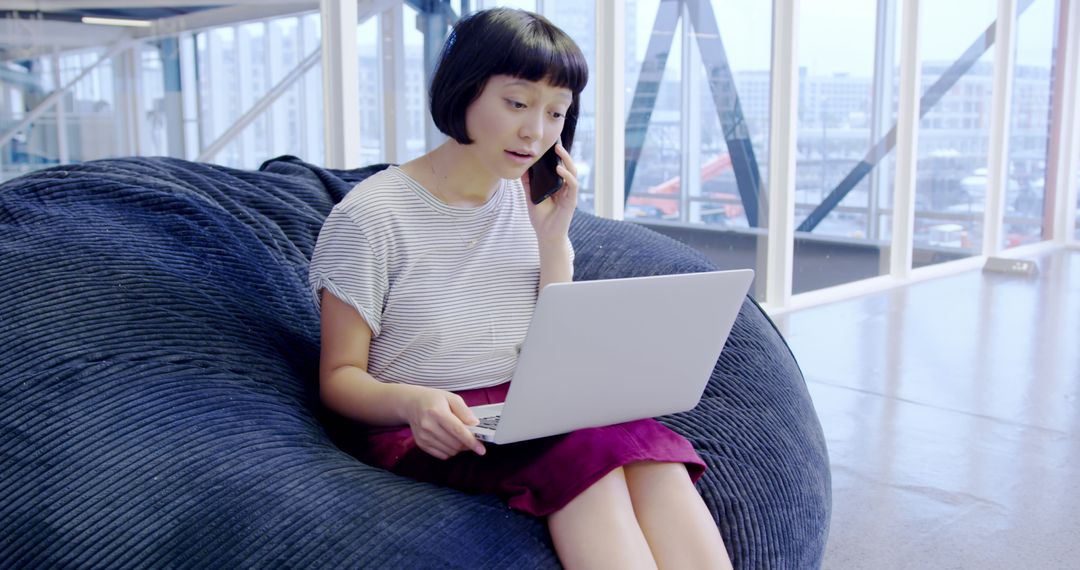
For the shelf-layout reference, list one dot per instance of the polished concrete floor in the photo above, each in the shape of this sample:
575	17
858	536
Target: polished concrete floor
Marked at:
951	409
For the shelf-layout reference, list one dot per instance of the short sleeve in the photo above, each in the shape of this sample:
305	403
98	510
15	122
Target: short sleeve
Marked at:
345	264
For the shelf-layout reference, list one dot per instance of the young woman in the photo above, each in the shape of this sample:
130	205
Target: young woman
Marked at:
427	275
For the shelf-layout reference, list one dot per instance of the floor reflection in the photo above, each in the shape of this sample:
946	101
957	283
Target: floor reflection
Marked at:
950	409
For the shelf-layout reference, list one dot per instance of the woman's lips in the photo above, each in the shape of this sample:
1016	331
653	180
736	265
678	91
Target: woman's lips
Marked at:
519	158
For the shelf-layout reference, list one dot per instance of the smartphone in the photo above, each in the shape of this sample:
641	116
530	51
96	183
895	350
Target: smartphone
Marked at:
543	180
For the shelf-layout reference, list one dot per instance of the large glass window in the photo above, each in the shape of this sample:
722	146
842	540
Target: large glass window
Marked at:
703	87
697	100
94	110
416	83
1029	128
842	193
253	64
954	134
311	101
729	117
529	5
156	132
369	75
654	149
578	20
12	111
286	52
237	67
219	89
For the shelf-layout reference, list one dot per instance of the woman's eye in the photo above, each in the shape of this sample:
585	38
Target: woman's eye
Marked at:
516	104
557	115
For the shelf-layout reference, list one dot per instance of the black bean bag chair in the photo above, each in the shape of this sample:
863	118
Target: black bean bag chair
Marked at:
158	373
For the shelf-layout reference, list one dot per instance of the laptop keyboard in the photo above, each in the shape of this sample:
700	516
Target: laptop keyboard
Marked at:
489	422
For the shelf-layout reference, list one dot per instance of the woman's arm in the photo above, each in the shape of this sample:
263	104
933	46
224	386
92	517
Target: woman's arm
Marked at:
437	417
551	221
555	264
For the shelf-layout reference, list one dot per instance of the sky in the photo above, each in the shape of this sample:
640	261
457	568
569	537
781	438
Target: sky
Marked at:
948	27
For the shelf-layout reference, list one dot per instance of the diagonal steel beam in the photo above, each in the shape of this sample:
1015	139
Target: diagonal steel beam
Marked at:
927	102
261	105
55	96
721	84
726	99
648	85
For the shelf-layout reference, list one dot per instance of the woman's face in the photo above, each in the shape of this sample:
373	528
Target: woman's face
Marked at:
514	121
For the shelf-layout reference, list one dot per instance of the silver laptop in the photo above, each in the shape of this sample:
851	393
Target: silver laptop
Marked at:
604	352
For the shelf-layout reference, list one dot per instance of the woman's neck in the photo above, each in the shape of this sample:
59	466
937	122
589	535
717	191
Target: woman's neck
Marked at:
456	178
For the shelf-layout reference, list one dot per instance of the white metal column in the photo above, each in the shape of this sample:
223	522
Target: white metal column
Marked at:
610	109
391	53
142	126
1069	210
1000	113
783	125
268	77
881	109
1068	132
340	75
690	123
907	140
244	139
62	151
302	97
127	81
189	96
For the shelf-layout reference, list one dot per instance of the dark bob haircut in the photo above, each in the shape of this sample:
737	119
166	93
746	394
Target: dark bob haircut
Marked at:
503	41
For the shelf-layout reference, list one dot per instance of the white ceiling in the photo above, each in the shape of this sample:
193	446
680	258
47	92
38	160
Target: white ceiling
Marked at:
31	27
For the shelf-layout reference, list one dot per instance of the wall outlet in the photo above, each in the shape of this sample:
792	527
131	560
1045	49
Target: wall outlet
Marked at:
1024	267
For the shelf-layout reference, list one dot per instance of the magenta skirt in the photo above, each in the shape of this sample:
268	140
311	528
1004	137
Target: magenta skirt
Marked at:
539	476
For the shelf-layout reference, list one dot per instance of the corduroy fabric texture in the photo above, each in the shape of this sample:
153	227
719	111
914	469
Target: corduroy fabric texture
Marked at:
158	362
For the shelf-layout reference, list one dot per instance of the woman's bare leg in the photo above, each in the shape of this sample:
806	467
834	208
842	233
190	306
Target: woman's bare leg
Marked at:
598	529
677	525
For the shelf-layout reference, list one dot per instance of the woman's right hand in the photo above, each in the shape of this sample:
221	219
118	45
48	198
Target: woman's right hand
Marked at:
438	419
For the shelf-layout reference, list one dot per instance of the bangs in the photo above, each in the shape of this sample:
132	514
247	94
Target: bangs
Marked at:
543	56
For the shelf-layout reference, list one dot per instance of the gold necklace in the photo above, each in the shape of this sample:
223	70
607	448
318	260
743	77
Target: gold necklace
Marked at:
468	243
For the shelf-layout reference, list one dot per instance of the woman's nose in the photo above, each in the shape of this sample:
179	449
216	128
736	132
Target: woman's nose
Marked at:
532	126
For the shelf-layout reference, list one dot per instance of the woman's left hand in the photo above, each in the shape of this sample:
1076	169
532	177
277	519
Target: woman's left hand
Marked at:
551	218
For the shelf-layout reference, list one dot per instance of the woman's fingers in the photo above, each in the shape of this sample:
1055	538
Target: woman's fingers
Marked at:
442	432
567	161
568	177
440	440
461	410
568	171
463	438
442	446
463	416
433	449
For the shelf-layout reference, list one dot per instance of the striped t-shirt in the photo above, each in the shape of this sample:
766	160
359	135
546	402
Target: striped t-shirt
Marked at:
447	291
